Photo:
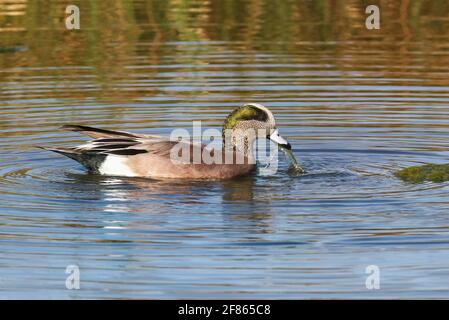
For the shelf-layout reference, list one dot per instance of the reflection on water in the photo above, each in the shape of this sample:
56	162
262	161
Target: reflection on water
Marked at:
356	105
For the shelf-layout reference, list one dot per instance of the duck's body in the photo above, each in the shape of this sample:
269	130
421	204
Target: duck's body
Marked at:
119	153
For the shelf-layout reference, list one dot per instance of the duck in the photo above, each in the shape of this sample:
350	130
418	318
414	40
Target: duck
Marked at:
126	154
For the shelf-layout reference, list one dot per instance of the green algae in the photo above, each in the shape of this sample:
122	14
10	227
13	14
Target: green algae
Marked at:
429	172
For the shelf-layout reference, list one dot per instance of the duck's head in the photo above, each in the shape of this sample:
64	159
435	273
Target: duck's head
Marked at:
252	118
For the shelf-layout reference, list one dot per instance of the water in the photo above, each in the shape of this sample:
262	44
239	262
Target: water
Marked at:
355	104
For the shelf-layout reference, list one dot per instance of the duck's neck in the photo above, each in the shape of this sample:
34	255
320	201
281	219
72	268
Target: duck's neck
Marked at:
241	145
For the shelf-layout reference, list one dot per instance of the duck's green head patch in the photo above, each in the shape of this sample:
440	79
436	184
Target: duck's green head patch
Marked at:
247	112
430	172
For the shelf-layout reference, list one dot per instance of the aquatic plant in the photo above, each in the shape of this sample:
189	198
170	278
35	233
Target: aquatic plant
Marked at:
429	172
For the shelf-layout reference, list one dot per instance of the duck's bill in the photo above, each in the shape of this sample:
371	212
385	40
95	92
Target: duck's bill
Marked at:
281	142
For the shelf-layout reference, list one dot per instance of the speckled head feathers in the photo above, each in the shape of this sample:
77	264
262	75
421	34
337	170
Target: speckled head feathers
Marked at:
248	112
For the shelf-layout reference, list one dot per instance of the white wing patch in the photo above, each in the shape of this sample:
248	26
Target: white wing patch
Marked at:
116	166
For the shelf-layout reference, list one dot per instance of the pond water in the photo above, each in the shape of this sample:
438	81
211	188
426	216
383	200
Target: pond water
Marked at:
355	104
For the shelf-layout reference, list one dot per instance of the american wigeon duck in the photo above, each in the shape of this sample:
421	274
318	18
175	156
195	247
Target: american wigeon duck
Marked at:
119	153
